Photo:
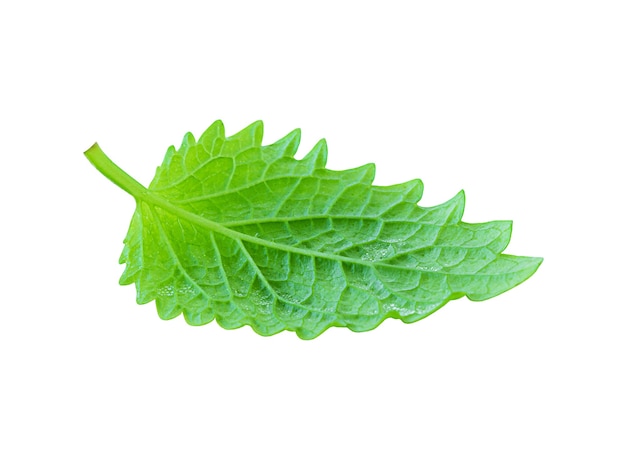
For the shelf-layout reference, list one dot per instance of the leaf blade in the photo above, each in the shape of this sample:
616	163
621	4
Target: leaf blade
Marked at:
245	234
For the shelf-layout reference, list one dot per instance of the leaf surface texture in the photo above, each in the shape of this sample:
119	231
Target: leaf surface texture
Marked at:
232	230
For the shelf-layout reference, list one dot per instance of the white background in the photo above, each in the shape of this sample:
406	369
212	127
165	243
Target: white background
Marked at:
522	104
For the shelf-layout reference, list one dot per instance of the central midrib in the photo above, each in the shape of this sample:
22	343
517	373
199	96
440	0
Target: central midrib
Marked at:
118	176
155	200
127	183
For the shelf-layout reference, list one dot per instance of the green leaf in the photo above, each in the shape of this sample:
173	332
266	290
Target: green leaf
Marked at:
245	234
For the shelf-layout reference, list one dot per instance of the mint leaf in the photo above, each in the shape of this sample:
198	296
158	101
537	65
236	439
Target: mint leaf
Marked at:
245	234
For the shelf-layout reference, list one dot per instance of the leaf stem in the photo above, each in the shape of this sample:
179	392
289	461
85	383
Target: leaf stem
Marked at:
115	174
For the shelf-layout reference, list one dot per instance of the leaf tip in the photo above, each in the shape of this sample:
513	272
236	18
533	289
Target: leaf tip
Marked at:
318	155
295	135
460	196
189	140
369	172
252	133
287	145
537	261
458	206
450	211
417	190
506	272
216	130
529	267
